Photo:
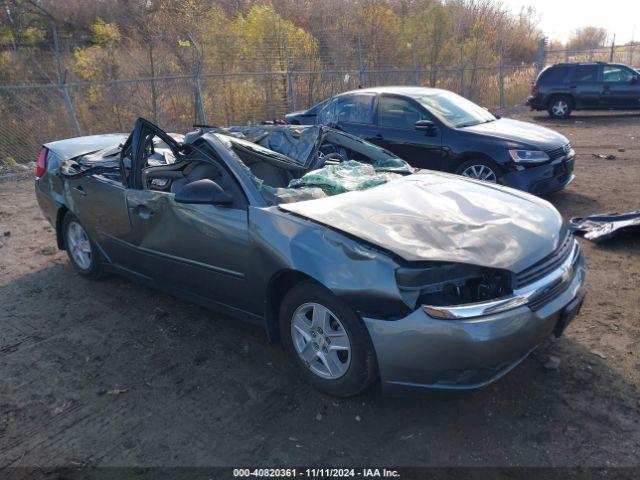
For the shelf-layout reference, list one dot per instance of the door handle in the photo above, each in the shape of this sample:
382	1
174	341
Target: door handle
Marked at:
378	136
80	190
144	212
573	86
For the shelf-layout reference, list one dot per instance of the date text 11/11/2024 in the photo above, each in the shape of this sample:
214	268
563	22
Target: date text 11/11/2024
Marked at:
316	473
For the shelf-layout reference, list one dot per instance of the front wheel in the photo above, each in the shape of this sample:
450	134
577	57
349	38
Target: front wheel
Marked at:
480	169
82	251
326	340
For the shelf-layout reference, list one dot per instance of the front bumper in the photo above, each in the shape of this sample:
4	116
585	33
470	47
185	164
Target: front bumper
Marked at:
543	179
420	352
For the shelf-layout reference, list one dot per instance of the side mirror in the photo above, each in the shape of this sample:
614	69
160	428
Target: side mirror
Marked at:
634	79
203	191
425	126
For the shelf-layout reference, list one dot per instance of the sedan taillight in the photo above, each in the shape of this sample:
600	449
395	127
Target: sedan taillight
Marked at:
535	89
42	162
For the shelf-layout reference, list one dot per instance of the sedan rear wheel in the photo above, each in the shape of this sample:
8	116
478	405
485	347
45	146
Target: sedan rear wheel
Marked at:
81	250
327	341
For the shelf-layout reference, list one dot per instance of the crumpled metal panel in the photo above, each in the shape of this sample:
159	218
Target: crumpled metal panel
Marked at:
361	276
72	147
296	142
441	217
604	226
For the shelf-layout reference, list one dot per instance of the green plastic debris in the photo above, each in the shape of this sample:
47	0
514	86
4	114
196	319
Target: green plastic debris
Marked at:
343	177
392	164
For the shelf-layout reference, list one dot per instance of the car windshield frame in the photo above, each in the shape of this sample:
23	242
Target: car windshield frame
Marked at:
272	196
442	104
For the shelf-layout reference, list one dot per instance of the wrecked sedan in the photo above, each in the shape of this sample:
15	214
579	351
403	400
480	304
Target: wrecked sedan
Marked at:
361	267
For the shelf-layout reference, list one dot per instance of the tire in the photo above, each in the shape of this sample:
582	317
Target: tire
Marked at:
82	252
560	106
352	369
479	169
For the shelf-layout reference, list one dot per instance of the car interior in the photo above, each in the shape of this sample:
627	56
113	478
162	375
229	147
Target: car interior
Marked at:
167	164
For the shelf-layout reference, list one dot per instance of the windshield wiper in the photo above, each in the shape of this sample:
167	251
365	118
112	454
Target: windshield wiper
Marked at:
473	124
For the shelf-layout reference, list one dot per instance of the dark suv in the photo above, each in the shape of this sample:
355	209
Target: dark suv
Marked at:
562	88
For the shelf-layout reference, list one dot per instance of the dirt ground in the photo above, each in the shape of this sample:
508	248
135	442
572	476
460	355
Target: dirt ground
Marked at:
111	373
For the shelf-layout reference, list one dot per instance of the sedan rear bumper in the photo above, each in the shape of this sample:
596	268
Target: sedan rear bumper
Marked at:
419	352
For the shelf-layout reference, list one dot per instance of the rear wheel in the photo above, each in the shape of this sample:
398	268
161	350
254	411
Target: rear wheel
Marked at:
560	107
327	341
480	169
81	250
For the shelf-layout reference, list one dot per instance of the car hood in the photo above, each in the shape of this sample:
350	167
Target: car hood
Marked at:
441	217
523	133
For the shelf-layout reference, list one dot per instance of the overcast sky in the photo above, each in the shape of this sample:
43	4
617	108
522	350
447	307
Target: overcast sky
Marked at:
558	18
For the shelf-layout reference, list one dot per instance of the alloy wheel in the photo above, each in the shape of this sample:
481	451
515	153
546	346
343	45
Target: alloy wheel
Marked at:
560	108
79	245
480	172
321	341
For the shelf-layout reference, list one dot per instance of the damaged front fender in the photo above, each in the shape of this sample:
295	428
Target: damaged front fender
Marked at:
285	242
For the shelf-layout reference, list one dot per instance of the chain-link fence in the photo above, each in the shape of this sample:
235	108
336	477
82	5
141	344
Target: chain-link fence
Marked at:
37	114
67	86
628	54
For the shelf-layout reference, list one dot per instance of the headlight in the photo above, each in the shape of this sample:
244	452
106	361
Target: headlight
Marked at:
451	284
528	156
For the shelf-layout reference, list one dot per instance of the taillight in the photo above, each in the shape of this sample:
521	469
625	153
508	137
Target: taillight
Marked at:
535	89
42	162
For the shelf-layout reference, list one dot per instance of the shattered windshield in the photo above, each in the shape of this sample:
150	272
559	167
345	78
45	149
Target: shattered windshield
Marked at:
292	163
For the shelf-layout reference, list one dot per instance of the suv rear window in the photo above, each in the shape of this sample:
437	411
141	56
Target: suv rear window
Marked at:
554	75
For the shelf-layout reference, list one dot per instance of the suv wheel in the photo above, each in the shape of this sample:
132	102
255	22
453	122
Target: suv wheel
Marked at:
327	340
560	107
82	252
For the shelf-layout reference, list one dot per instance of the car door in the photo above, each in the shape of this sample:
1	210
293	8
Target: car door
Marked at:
620	87
200	249
99	202
395	130
585	86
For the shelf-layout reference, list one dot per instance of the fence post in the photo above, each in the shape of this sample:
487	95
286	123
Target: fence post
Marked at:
613	47
542	54
416	74
62	85
501	74
462	66
361	64
196	79
290	74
